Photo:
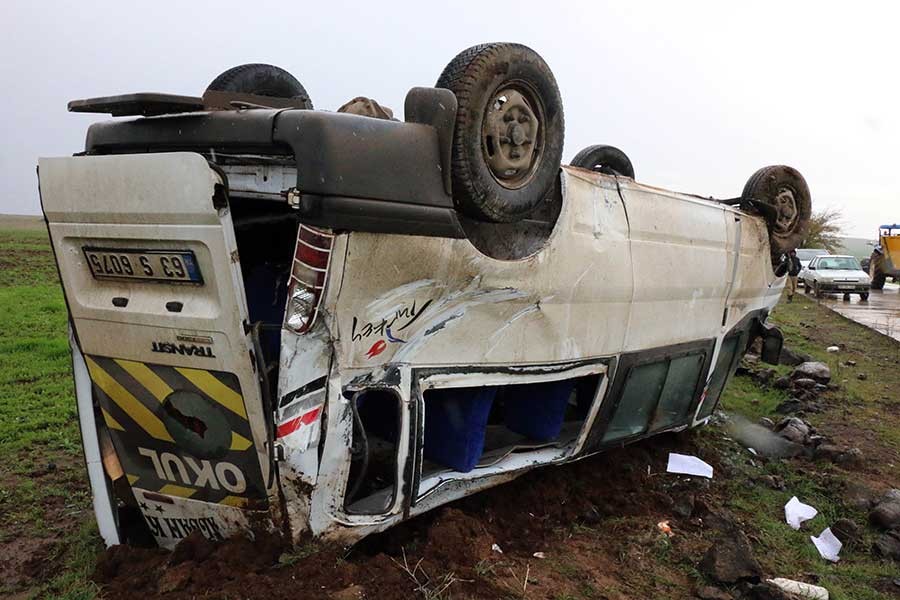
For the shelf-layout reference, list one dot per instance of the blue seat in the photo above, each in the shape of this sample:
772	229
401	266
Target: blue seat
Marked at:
537	410
455	423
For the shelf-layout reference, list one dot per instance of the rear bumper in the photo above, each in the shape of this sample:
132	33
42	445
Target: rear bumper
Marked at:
353	172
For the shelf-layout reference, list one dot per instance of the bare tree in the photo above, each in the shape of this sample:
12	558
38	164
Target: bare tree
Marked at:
825	229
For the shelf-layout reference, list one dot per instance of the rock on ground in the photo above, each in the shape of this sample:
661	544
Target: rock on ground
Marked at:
794	430
791	358
846	530
851	458
817	371
730	559
709	592
805	383
888	545
886	515
858	495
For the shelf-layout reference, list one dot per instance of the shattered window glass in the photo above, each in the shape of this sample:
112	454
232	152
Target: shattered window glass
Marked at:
720	375
678	393
639	398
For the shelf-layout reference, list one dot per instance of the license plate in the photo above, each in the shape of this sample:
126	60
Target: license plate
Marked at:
846	287
172	266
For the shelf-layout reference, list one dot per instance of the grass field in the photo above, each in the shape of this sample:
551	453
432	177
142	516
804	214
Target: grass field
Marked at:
48	542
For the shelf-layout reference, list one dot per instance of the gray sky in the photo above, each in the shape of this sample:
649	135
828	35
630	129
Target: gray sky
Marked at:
699	95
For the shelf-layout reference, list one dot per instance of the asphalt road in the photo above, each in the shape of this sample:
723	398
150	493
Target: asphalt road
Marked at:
881	312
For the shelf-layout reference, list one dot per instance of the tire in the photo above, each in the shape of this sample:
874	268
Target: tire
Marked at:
498	174
262	80
784	189
864	296
876	271
816	291
806	288
604	159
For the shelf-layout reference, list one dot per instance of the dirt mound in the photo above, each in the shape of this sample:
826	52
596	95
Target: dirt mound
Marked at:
449	548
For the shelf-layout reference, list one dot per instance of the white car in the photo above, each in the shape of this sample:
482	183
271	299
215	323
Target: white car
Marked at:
329	323
807	254
836	274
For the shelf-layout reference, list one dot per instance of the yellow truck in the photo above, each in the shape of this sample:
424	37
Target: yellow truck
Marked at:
885	259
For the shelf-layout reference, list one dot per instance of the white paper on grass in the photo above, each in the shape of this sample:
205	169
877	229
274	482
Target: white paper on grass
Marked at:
688	465
795	512
827	545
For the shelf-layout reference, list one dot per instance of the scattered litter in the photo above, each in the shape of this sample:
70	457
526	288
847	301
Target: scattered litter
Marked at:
688	465
827	545
832	349
664	527
753	451
803	590
539	555
496	549
795	512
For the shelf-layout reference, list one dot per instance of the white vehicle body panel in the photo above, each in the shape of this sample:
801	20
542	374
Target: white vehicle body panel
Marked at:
161	201
629	272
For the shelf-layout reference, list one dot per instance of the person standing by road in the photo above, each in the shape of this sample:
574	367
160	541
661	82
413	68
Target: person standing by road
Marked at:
793	270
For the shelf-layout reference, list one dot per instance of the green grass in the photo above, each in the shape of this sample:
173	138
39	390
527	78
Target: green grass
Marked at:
788	553
782	551
812	328
38	425
24	258
40	448
745	397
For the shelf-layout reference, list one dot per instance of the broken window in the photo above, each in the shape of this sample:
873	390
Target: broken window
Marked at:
728	355
467	428
372	481
656	396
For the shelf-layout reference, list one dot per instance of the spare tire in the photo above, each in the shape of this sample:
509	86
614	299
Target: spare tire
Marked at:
508	139
783	191
604	159
261	80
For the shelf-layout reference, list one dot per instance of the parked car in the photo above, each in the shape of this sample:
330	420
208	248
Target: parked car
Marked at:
836	274
807	254
334	322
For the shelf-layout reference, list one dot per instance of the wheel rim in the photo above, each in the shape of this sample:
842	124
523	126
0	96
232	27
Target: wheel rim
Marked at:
787	213
512	135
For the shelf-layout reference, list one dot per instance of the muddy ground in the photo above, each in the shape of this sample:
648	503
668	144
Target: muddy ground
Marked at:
595	522
613	526
595	529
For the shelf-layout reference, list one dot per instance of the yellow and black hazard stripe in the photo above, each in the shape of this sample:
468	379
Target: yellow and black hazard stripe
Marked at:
179	431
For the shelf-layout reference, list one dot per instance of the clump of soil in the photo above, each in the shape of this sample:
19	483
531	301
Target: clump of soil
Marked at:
451	546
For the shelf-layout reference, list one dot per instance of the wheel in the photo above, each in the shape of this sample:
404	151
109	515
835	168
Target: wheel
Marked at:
816	291
605	159
863	296
784	190
806	288
876	271
507	144
262	80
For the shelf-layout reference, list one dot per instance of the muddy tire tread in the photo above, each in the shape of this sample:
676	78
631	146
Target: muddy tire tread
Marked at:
461	76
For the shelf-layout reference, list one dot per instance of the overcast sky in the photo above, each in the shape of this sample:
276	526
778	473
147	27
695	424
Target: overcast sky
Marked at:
699	95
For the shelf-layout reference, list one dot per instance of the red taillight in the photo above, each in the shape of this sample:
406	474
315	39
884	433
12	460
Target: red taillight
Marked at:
311	257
